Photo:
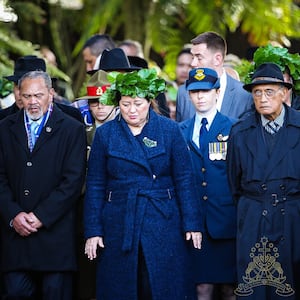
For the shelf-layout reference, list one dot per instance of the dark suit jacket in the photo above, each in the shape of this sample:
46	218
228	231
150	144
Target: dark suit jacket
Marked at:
46	181
236	101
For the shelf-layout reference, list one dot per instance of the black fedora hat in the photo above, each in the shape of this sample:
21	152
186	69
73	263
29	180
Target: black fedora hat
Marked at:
26	64
114	60
136	61
267	73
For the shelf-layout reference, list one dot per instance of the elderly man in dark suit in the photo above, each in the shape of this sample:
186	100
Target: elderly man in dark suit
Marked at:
42	168
264	175
208	51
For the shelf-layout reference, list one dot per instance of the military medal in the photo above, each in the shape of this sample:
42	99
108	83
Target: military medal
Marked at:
218	150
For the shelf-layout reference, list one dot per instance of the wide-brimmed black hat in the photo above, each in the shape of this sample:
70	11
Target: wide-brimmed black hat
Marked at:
267	73
26	64
114	60
136	61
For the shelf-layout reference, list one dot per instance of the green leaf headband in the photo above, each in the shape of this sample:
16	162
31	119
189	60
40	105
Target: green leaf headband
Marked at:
279	56
143	83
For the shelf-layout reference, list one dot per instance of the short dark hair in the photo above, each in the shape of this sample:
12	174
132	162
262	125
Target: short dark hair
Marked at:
184	51
212	40
97	43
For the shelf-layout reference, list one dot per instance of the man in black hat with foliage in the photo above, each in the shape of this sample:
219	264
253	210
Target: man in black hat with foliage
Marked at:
264	175
22	66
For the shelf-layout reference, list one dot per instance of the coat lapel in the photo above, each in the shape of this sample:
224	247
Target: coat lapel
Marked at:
188	130
52	125
153	136
217	127
290	138
228	97
18	130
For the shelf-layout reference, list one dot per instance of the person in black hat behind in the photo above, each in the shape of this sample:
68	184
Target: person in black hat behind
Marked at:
24	65
264	175
116	60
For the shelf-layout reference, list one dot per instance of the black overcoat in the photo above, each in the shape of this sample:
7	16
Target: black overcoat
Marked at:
47	182
266	187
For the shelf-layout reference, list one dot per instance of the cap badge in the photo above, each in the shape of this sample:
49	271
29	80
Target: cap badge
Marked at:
199	75
99	91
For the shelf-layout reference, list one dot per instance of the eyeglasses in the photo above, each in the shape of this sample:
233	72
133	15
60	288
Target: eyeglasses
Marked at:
269	93
95	104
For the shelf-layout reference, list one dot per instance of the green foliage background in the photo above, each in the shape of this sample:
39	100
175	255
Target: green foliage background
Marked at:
161	26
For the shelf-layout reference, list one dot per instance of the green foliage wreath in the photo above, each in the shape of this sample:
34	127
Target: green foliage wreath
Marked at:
279	56
143	83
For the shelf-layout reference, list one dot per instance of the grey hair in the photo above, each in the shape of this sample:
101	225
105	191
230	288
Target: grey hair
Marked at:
36	74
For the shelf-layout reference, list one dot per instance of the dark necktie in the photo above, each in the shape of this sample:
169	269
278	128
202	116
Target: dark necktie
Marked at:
203	133
272	127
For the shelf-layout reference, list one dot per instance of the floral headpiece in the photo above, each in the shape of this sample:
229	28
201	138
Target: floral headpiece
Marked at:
144	83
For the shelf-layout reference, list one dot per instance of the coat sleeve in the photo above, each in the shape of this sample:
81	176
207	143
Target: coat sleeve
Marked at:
9	207
185	185
234	166
95	188
63	198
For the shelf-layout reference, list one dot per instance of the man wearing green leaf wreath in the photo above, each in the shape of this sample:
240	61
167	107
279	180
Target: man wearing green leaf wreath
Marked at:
289	65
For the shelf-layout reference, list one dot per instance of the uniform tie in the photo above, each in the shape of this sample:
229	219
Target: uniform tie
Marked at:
203	133
272	127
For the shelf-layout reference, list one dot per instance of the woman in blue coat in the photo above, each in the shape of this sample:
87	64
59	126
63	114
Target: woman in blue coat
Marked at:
140	204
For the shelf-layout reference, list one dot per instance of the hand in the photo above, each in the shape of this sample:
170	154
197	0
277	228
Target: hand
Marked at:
35	222
196	237
22	224
91	246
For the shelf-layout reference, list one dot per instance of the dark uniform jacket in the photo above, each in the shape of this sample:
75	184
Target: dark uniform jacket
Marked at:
219	210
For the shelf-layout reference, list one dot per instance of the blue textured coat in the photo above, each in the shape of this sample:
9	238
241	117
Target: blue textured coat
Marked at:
141	195
267	189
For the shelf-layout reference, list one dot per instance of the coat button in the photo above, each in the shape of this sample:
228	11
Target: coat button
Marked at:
154	176
205	198
282	187
203	170
204	183
29	164
264	186
265	212
26	192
